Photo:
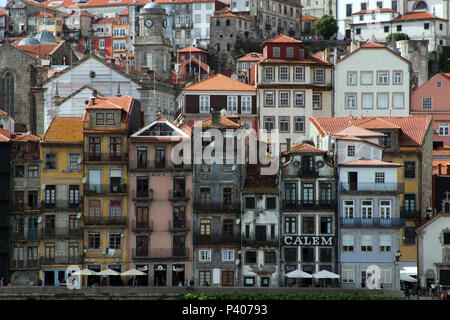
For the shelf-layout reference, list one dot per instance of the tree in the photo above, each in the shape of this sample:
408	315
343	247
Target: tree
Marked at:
326	26
393	37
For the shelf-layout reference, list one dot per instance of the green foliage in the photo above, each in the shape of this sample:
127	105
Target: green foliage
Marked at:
326	26
444	59
393	37
282	296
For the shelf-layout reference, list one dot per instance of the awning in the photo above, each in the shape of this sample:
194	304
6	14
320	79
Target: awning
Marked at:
410	271
407	278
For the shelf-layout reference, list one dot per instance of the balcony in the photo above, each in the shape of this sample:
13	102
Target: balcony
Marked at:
33	207
28	155
62	205
300	205
105	221
151	166
253	241
179	225
105	189
312	171
32	235
21	264
105	157
180	195
18	208
160	253
217	206
372	187
142	226
220	238
146	195
60	260
61	233
372	222
18	236
406	213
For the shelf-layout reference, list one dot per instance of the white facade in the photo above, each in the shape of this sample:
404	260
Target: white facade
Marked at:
358	150
201	16
372	82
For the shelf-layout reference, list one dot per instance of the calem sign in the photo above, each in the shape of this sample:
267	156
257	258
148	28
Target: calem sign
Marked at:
308	241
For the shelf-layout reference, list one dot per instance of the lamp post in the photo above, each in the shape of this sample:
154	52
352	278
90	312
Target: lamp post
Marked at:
398	254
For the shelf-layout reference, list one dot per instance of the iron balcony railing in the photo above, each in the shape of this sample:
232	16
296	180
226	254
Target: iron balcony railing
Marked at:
17	236
142	226
308	204
33	235
105	157
407	213
60	260
372	187
152	166
254	241
217	206
372	222
308	171
27	155
143	194
217	238
53	233
105	189
24	264
105	221
182	195
161	253
179	225
62	205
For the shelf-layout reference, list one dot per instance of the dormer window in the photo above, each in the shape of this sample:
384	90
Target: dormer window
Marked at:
350	151
110	118
290	52
387	140
276	52
100	119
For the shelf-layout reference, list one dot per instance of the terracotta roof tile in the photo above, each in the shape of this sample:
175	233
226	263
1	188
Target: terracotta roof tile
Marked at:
191	49
374	11
372	45
110	103
252	56
443	163
124	13
27	137
224	120
42	14
2	12
229	15
417	16
308	17
370	162
64	130
219	82
378	124
304	147
113	21
3	113
5	135
352	138
43	50
281	39
357	131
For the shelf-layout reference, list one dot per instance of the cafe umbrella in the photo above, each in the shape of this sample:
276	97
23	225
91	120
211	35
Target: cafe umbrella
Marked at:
325	274
133	272
108	272
298	274
85	272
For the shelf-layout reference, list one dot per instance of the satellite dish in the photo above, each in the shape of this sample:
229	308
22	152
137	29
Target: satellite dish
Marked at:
234	76
78	215
237	261
238	221
320	164
39	220
296	164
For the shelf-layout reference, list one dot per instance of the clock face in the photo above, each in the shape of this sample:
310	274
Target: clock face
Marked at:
164	23
148	22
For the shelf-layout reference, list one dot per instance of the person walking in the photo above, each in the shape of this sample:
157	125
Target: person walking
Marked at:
2	282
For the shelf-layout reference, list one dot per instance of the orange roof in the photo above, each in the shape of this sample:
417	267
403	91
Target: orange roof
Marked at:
352	138
307	17
65	130
2	12
304	147
3	113
424	15
5	135
372	45
223	120
443	163
357	131
252	56
374	11
219	82
117	103
43	50
107	21
27	137
191	49
378	124
281	39
89	3
229	15
124	13
42	14
413	128
370	162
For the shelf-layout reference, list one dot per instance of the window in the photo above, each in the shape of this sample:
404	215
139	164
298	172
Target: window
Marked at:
7	93
379	177
99	119
269	99
299	124
232	104
50	195
19	171
269	123
382	100
397	100
367	209
410	236
249	281
284	124
399	27
299	99
227	196
319	76
50	161
358	31
307	254
115	240
204	104
348	242
276	52
290	255
290	224
227	255
94	240
348	10
438	84
351	78
250	257
284	74
160	157
204	278
426	26
205	227
366	242
386	275
246	104
74	161
33	171
350	151
115	210
383	77
427	103
443	129
268	73
308	224
385	242
366	78
284	99
204	255
271	203
299	74
307	188
110	118
326	225
290	52
385	209
409	168
398	77
350	101
349	208
250	203
348	274
270	257
317	100
325	255
386	29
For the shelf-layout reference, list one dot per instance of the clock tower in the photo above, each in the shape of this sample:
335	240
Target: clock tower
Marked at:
152	48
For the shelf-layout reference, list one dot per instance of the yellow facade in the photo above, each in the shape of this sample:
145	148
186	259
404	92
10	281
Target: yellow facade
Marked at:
120	42
52	24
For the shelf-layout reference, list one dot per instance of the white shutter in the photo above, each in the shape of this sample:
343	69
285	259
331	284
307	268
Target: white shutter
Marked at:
366	240
348	240
385	240
115	173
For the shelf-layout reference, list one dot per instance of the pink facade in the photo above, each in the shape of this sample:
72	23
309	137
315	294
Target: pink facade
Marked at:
161	236
432	98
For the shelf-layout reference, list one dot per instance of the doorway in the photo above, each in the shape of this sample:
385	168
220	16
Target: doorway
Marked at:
49	278
353	181
160	276
178	275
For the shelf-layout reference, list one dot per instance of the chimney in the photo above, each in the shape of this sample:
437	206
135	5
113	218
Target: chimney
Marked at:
439	169
448	169
215	117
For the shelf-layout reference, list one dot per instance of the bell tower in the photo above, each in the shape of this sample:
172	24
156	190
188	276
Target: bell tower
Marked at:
152	48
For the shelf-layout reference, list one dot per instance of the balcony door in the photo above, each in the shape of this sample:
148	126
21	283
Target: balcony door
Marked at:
50	225
410	202
115	180
95	149
95	180
179	187
74	196
142	246
95	211
142	157
115	149
290	193
141	217
50	196
325	193
260	233
308	194
178	246
179	217
142	187
353	180
227	231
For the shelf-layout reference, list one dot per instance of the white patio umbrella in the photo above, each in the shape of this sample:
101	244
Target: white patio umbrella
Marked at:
325	274
85	272
407	278
298	274
133	272
108	272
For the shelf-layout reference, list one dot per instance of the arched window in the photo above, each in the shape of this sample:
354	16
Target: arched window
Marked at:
422	5
7	92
